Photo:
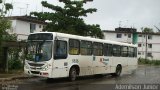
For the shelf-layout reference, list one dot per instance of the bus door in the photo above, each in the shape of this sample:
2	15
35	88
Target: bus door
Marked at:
99	64
85	60
60	65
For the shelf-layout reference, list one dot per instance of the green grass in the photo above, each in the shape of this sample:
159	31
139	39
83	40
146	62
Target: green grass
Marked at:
147	61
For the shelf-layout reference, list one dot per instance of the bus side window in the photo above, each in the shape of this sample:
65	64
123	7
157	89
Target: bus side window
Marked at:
116	50
60	49
86	47
124	51
107	49
135	52
74	47
97	49
131	52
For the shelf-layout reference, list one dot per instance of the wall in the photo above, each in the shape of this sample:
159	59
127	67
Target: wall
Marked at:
22	29
113	36
155	50
155	41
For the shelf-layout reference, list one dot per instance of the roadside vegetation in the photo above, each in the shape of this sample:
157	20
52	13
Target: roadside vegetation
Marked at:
142	61
15	55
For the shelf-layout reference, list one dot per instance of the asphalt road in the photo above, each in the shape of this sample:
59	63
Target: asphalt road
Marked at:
144	75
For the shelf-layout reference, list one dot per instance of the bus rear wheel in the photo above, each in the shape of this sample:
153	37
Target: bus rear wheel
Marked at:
118	71
72	74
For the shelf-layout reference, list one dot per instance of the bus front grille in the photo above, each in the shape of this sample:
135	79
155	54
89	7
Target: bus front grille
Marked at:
36	65
35	72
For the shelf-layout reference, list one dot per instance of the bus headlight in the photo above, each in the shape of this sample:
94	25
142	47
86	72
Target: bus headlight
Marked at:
26	66
45	68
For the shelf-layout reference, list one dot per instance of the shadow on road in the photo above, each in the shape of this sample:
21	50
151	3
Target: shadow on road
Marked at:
83	79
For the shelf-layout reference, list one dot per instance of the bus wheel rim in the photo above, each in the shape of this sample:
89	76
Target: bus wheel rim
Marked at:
73	74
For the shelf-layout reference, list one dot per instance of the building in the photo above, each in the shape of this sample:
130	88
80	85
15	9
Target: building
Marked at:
148	43
22	26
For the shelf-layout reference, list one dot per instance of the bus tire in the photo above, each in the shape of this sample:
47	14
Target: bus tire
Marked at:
118	71
72	74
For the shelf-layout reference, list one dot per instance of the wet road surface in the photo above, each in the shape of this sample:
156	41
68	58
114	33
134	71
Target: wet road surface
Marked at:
143	75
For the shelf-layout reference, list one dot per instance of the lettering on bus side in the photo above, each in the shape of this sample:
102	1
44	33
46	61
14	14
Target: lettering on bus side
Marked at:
104	61
65	63
75	61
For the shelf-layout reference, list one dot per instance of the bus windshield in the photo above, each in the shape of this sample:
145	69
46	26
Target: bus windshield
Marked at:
39	51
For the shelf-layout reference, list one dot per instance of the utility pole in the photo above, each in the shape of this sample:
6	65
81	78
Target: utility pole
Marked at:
20	10
120	24
146	42
27	8
146	46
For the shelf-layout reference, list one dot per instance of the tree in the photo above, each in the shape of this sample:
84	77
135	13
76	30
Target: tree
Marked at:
4	25
4	22
147	30
69	19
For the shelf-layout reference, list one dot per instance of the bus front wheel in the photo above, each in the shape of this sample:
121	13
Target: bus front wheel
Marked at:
118	71
72	74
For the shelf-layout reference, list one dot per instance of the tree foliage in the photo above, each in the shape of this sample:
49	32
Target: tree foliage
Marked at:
147	30
69	19
4	22
5	7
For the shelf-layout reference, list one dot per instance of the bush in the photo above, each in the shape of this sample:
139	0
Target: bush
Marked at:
14	64
147	61
15	59
156	62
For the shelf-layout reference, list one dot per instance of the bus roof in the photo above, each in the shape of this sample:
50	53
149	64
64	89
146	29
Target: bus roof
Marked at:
87	38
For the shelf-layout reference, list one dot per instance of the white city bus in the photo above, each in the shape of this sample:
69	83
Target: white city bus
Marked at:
56	55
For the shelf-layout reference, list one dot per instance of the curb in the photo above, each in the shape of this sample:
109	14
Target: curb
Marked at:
16	77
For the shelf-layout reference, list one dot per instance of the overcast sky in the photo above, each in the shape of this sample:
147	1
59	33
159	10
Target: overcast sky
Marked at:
110	13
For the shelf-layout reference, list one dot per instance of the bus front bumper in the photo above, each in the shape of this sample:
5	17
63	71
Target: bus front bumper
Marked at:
37	73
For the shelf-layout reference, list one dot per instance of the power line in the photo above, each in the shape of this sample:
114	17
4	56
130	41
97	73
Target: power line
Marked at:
157	28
